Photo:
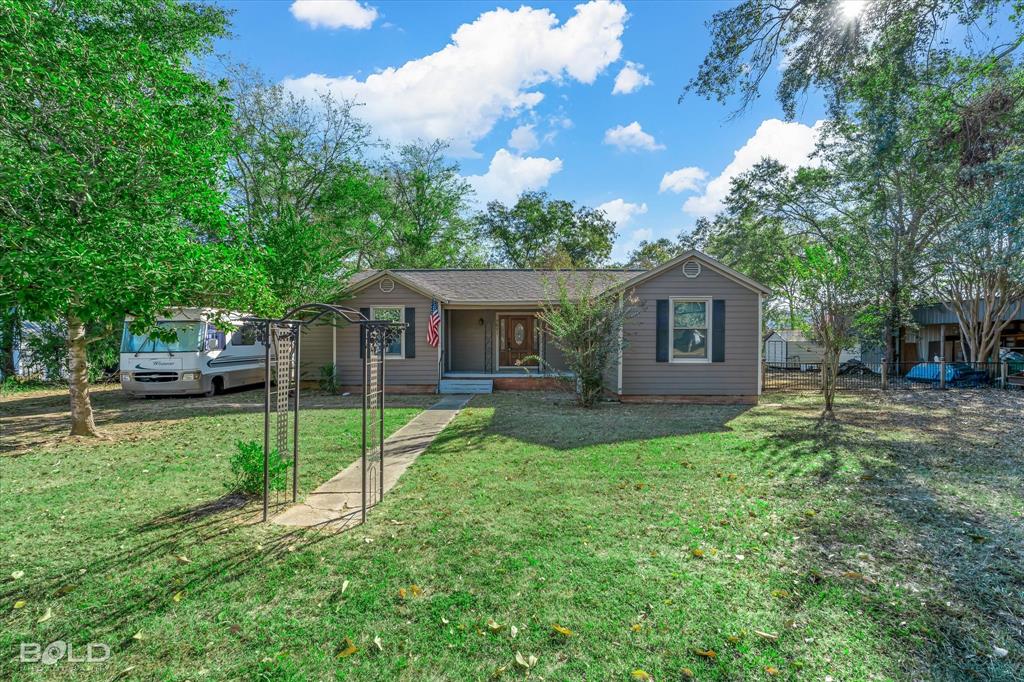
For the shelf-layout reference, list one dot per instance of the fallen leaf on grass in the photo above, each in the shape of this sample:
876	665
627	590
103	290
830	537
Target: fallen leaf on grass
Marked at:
347	648
17	574
415	590
20	604
46	616
344	586
733	639
513	631
494	626
698	553
687	673
767	635
525	662
564	631
444	621
999	652
377	644
402	594
184	559
641	675
780	594
636	627
499	671
706	653
178	596
772	670
138	636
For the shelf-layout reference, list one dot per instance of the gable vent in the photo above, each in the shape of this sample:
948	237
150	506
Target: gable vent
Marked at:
691	268
387	285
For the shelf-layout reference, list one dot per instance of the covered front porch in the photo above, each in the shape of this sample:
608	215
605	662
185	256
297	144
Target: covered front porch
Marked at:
495	348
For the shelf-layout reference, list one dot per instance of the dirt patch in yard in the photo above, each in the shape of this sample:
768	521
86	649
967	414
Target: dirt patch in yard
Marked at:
39	419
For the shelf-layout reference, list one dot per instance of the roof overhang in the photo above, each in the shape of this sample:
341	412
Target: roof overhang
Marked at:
377	276
719	267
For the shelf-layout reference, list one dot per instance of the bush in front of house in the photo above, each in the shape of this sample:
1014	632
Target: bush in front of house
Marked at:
247	469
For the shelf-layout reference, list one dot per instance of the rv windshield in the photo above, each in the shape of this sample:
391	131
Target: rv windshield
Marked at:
189	335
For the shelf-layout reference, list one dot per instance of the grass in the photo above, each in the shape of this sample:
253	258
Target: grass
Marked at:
888	547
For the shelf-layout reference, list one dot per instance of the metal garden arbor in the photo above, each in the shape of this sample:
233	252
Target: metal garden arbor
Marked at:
282	338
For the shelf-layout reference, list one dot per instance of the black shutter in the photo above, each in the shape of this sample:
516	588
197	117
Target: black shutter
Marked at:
718	330
410	332
365	312
661	331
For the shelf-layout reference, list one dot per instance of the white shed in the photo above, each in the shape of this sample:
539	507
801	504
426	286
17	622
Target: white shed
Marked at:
791	346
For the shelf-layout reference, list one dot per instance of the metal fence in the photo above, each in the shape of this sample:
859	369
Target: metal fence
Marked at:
853	376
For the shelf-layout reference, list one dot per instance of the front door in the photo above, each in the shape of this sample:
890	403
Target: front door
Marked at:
517	342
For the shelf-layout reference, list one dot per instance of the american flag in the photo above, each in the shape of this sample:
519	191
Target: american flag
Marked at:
435	321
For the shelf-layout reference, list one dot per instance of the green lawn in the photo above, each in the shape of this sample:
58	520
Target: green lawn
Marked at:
889	547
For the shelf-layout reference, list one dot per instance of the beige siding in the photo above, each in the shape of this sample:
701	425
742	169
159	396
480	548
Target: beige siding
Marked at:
317	345
467	338
421	370
737	375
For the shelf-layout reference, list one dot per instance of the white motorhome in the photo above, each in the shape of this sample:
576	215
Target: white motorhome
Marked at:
203	360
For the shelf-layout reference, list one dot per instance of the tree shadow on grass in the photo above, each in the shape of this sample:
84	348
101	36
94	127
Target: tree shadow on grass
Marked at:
167	564
913	489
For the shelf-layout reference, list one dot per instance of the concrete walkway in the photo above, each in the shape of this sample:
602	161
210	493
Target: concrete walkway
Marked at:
339	500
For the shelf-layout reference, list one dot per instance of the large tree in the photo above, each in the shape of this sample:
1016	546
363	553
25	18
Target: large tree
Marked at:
538	231
824	44
426	226
299	184
111	150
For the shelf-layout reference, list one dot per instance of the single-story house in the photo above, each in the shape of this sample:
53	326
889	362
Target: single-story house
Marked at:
938	337
793	347
696	336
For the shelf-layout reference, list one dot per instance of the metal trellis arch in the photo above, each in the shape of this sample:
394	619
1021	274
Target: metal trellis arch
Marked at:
282	338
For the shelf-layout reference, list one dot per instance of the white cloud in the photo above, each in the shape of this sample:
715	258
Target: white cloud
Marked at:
630	78
489	71
687	179
334	13
621	211
523	139
631	136
788	142
509	175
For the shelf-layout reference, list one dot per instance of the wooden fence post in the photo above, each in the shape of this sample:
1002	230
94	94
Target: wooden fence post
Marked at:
1003	372
885	374
942	373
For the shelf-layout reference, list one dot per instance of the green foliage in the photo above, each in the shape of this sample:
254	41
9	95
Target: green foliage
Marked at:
540	232
817	45
586	325
425	225
111	156
329	378
247	469
16	384
48	353
300	186
651	254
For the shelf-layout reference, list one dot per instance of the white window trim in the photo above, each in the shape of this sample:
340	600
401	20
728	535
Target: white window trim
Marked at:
672	324
401	336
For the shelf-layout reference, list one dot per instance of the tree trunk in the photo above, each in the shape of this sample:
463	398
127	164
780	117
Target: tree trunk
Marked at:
8	341
82	423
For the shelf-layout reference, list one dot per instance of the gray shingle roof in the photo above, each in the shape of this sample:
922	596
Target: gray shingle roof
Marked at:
497	286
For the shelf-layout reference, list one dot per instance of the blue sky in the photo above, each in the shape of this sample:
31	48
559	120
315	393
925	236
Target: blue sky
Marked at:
525	93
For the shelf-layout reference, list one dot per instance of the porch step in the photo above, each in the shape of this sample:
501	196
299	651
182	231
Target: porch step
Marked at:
466	386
